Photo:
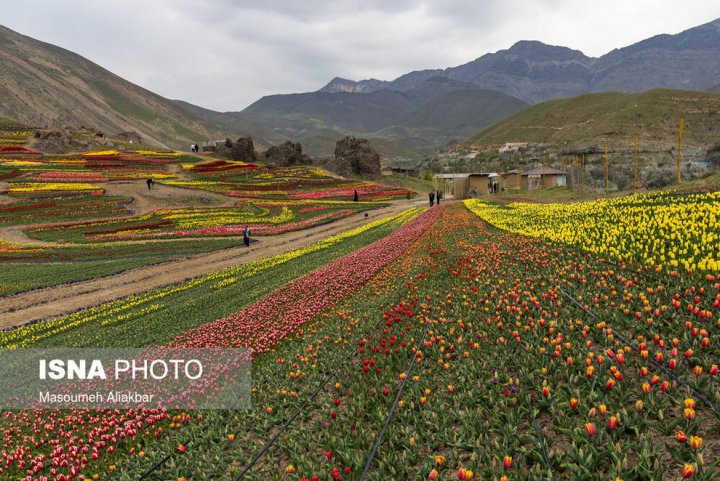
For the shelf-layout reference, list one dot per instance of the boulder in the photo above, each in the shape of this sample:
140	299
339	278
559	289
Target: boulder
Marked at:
242	149
51	141
359	155
287	153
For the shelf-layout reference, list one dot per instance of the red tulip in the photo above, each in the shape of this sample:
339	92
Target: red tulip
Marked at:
612	422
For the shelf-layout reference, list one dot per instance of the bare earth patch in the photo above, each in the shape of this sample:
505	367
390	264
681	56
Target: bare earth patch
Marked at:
162	196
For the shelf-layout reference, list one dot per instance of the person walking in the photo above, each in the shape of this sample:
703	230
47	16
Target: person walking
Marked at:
437	197
355	197
150	183
431	195
246	236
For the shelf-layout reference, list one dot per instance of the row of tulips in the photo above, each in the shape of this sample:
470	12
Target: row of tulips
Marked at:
262	216
659	229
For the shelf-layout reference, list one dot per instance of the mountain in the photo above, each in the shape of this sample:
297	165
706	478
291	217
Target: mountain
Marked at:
715	89
534	72
434	114
357	112
47	86
451	117
689	60
594	119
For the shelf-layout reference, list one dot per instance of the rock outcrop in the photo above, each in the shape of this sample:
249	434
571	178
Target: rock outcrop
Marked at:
285	154
57	142
242	149
359	155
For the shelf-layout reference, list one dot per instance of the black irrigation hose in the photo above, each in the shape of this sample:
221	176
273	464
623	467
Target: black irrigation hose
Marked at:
658	365
299	410
379	438
282	429
187	442
169	455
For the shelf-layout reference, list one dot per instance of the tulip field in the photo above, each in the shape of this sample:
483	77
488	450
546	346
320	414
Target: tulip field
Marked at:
464	341
79	218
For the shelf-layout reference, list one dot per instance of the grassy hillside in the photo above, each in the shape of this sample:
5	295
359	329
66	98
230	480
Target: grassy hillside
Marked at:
449	118
46	86
614	118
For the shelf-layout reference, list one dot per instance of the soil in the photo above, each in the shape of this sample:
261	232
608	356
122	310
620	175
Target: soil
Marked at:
162	196
56	301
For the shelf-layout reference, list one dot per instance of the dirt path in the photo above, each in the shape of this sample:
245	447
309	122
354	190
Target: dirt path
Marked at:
56	301
162	196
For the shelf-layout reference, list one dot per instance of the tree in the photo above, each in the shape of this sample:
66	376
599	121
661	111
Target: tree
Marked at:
714	156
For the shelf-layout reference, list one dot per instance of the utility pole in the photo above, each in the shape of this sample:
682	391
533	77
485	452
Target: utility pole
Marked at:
677	180
577	172
582	174
635	168
607	179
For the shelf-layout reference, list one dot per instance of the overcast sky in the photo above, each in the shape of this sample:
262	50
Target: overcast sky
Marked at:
225	54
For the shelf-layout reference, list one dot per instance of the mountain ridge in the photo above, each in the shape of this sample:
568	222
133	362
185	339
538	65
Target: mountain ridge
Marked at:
534	71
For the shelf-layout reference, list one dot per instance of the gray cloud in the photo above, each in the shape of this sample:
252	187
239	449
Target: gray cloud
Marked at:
225	54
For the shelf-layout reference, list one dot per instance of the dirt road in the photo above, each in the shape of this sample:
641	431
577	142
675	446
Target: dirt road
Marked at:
56	301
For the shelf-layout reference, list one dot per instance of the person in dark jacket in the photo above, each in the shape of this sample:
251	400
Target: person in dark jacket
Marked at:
437	197
431	195
246	236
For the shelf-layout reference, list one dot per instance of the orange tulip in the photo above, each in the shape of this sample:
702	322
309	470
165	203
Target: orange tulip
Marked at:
687	471
507	462
590	428
681	437
696	442
573	403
